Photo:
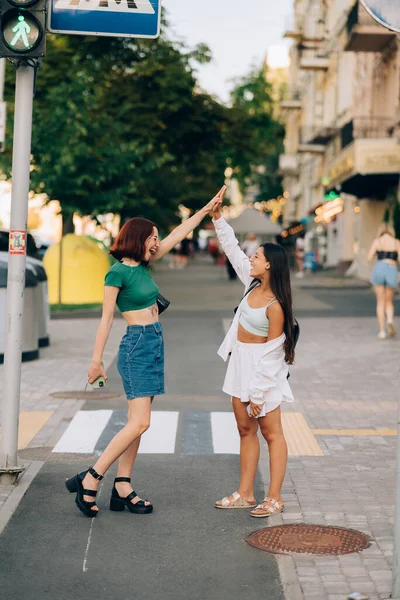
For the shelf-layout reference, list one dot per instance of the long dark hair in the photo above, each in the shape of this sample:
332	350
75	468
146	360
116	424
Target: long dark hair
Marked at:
280	284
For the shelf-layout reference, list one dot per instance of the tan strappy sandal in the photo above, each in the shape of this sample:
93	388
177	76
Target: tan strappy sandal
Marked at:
236	502
268	507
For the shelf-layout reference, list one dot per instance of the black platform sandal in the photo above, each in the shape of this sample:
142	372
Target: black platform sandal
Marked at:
74	485
118	504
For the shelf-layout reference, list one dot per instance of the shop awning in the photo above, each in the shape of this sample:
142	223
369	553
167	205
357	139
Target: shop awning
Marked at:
252	221
367	168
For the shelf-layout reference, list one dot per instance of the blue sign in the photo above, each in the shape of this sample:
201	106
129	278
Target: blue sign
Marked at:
122	18
386	12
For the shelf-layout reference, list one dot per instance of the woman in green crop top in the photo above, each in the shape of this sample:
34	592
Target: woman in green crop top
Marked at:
129	285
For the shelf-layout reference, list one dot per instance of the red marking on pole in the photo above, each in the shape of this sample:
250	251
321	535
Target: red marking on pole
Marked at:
17	241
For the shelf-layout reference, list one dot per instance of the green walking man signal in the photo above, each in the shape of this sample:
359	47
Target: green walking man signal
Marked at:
22	28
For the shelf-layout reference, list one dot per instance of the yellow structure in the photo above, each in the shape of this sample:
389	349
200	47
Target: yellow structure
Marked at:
83	267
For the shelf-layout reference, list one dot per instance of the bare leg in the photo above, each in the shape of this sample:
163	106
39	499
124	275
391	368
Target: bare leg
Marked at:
271	429
380	306
389	308
125	466
249	449
138	423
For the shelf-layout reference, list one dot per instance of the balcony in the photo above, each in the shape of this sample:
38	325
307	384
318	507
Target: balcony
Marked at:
368	165
293	28
365	128
308	29
313	139
311	61
288	164
364	33
292	99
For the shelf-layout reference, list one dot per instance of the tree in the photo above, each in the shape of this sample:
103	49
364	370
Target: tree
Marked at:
118	132
256	160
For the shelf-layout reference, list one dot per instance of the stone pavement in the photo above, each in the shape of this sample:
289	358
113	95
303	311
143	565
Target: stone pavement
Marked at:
329	278
345	383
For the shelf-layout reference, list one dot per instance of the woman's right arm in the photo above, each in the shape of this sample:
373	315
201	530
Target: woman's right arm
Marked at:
110	297
230	245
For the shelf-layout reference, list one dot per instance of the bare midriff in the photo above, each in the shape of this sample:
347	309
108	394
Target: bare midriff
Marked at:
143	317
246	337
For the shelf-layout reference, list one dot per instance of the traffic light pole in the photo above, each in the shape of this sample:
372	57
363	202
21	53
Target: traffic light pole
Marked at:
9	469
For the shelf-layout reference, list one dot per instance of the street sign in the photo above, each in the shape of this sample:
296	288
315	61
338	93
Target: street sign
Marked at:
122	18
386	12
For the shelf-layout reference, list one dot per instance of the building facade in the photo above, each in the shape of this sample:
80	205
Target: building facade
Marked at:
342	150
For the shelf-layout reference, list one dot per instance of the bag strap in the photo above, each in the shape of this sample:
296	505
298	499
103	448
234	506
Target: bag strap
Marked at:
251	287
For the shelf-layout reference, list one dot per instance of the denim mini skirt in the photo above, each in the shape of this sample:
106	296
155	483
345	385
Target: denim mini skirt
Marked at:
141	361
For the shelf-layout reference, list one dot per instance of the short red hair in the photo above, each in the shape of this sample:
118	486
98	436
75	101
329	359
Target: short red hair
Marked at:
131	240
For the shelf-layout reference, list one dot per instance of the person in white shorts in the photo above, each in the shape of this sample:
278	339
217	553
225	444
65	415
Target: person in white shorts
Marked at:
261	343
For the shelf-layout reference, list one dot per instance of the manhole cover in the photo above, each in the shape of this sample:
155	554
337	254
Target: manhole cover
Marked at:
308	539
95	395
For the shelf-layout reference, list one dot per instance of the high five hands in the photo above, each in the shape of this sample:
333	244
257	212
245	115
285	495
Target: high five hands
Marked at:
214	206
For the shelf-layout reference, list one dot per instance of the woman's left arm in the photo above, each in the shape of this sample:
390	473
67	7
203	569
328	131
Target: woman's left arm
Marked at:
276	320
182	231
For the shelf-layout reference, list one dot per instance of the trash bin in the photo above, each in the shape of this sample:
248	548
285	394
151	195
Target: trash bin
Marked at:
30	331
43	315
42	309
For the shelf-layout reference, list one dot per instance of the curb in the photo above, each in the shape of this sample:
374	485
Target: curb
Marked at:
287	570
12	502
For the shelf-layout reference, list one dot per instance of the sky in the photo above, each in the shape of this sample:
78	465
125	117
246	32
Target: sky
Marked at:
238	33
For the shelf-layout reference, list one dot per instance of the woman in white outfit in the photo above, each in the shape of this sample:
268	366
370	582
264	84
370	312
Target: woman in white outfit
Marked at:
261	343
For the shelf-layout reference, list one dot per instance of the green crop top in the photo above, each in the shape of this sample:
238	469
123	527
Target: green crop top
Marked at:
138	289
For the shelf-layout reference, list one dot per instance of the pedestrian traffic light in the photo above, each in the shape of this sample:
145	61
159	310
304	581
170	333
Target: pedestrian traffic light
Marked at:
23	28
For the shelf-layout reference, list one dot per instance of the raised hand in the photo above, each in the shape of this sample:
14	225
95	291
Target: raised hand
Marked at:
218	199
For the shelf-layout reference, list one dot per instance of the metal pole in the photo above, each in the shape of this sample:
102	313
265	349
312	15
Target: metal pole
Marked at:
16	273
396	533
396	547
2	77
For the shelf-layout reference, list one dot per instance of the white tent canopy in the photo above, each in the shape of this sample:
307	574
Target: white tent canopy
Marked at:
252	221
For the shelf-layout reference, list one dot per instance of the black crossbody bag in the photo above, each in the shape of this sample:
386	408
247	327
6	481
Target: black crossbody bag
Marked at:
162	304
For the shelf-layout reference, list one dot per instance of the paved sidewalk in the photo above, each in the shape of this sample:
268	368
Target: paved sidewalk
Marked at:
327	279
345	383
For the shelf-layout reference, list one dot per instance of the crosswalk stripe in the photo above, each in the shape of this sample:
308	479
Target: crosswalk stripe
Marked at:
160	438
225	436
204	433
83	432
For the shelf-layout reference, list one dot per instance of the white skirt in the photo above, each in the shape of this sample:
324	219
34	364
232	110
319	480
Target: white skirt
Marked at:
241	365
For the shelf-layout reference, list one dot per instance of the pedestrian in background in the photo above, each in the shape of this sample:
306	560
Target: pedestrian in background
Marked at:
129	285
385	277
299	256
184	252
251	244
261	343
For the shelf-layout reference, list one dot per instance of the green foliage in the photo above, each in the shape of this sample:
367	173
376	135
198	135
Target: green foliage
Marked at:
120	126
256	157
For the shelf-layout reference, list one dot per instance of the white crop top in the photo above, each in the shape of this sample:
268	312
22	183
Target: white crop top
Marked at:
254	320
